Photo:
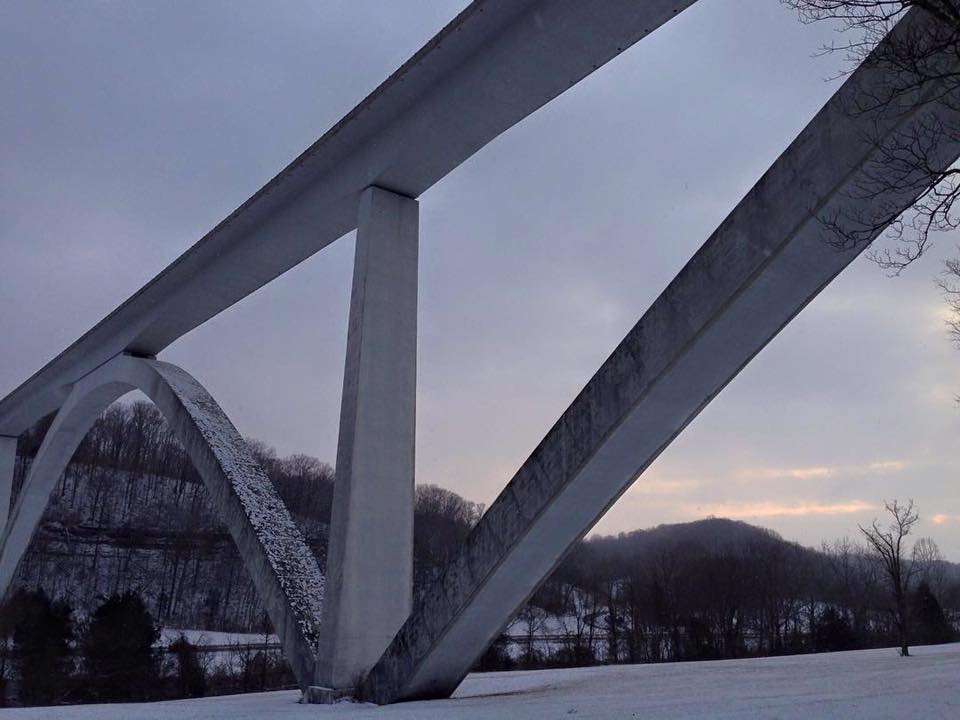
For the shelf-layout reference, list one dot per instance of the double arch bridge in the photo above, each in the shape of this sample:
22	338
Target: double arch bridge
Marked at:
353	630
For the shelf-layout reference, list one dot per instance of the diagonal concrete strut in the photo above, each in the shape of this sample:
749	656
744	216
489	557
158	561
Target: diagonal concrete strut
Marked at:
765	262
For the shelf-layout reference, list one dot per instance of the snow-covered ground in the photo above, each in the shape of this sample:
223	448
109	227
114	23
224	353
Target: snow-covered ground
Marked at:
863	684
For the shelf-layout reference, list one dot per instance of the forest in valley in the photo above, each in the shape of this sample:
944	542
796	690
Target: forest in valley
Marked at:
130	533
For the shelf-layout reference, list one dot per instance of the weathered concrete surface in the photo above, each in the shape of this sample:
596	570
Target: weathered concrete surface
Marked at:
8	459
767	260
283	568
440	107
370	559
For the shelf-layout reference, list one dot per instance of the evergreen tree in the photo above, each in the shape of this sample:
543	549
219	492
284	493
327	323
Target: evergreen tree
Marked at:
121	662
833	632
42	632
930	624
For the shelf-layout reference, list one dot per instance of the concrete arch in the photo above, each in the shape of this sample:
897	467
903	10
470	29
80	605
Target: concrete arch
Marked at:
283	569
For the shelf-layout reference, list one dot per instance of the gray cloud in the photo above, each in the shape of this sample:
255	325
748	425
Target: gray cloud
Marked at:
128	130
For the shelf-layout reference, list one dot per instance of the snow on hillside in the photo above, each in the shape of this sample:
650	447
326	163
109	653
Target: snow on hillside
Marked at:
865	684
213	637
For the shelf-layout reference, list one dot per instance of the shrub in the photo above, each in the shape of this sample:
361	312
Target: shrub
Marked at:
191	677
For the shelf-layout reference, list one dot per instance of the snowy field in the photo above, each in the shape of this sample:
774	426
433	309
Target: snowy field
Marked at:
863	684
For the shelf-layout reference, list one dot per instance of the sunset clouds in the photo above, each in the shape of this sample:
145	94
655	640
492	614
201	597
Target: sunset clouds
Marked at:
772	509
821	471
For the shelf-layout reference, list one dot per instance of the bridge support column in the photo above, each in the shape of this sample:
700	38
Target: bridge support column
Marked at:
369	579
8	461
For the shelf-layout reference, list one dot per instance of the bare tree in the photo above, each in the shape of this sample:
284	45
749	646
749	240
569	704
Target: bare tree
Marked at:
930	566
913	60
949	282
886	543
854	581
442	520
532	623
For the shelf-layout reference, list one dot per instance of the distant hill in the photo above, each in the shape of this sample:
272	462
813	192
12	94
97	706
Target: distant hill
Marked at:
717	535
712	533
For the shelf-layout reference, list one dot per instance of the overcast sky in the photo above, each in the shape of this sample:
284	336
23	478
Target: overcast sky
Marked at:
127	130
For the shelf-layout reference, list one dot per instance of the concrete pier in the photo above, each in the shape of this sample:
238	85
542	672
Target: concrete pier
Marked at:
370	558
8	459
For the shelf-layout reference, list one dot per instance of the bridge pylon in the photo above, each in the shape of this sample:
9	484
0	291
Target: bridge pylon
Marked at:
369	579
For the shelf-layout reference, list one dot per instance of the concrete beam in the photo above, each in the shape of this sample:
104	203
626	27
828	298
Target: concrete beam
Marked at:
282	567
369	571
438	109
8	461
767	260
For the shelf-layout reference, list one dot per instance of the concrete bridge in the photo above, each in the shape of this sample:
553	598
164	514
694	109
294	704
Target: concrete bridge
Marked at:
354	632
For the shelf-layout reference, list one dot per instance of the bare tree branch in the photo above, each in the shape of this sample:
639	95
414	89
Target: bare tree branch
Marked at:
913	61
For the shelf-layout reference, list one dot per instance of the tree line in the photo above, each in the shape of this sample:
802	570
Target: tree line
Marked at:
130	517
722	589
50	656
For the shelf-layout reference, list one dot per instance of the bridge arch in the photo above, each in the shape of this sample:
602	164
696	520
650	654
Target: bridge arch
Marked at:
284	570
